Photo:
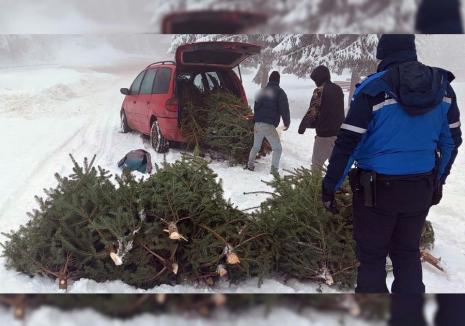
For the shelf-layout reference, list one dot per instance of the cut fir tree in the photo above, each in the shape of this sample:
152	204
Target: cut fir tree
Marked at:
308	242
176	227
219	123
169	228
60	241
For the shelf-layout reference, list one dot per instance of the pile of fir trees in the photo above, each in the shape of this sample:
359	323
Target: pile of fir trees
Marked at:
219	123
309	243
371	307
173	227
176	227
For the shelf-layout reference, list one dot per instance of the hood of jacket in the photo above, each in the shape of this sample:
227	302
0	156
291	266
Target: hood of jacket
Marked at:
320	75
417	87
272	84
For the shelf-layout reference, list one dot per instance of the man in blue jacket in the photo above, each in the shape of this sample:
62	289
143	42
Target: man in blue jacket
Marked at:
403	133
270	105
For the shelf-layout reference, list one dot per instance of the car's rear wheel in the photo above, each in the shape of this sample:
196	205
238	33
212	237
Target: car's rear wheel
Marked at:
124	123
157	140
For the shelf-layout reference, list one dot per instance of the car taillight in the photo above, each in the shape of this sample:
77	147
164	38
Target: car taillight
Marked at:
172	104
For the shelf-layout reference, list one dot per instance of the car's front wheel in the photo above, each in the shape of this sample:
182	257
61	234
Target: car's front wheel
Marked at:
124	123
157	140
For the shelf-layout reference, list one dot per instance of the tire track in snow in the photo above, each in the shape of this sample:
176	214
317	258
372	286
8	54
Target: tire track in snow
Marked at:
88	135
36	173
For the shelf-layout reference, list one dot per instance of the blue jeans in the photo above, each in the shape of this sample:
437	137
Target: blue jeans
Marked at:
268	131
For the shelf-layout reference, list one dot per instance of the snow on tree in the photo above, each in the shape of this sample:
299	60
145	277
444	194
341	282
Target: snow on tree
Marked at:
299	54
354	16
315	16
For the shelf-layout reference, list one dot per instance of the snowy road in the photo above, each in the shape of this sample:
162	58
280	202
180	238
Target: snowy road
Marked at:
47	112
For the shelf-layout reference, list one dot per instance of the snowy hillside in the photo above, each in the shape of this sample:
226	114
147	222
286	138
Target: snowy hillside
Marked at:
49	111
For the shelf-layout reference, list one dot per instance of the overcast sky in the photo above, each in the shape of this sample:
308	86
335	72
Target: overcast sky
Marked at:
143	16
76	16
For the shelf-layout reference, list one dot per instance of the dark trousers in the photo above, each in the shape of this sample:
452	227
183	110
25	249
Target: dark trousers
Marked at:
393	227
407	310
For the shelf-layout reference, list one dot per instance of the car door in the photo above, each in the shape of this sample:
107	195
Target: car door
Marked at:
162	94
144	100
131	101
214	55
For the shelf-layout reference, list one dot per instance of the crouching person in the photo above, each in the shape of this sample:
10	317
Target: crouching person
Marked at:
270	106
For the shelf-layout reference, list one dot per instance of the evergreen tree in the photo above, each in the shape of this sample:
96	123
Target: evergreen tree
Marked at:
299	54
219	123
316	16
60	240
308	242
177	227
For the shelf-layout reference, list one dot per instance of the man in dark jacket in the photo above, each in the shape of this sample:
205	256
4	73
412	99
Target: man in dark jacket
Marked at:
270	105
327	107
403	133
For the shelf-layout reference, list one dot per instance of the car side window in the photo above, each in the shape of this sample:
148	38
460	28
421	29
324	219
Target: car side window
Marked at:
147	83
135	87
162	81
213	80
198	82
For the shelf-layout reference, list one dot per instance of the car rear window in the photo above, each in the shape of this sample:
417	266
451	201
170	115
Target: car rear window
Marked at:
208	81
147	84
135	87
162	81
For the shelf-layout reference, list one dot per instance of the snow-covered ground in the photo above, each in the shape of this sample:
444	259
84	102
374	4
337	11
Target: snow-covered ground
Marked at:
49	111
278	316
258	316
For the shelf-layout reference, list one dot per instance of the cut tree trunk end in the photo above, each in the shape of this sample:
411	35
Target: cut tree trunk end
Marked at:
430	259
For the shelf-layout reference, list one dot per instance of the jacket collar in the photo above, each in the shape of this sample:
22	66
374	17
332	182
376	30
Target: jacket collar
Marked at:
397	59
272	83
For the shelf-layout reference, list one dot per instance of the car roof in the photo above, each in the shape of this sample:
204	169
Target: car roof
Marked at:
167	63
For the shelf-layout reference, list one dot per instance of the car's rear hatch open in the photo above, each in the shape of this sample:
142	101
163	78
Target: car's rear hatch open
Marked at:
213	55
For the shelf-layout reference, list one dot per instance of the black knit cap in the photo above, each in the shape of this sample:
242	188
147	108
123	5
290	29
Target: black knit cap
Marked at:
275	77
439	17
390	44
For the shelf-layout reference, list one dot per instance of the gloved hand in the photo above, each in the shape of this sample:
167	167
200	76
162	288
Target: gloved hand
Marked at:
329	201
302	128
437	194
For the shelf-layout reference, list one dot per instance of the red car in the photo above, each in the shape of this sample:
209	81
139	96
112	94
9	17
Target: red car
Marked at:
151	104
